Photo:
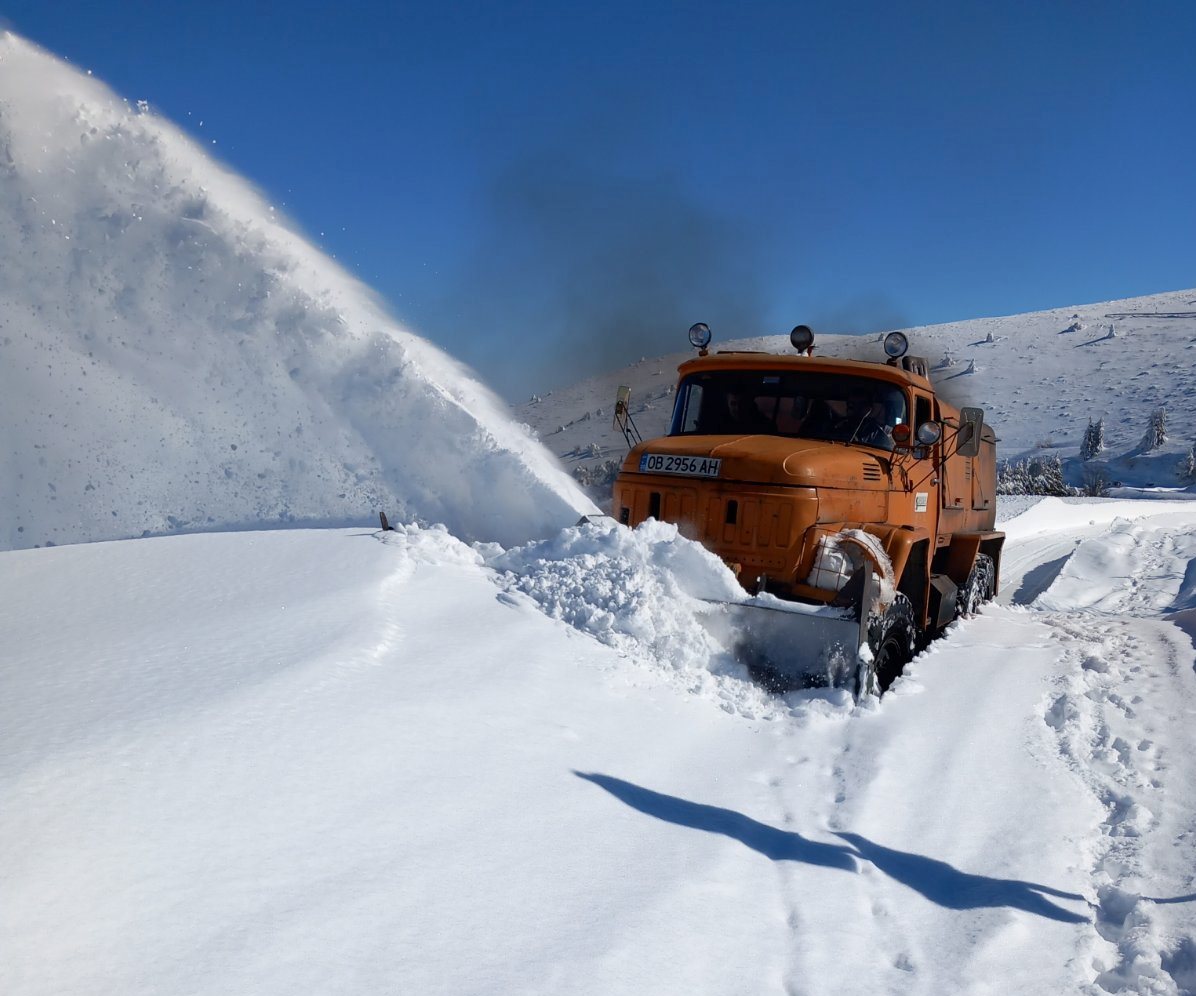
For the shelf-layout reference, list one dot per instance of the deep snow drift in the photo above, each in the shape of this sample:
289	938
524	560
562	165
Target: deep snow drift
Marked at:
174	357
344	761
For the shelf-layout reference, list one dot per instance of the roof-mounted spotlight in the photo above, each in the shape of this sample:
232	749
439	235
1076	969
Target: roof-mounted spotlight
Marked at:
896	345
699	335
802	338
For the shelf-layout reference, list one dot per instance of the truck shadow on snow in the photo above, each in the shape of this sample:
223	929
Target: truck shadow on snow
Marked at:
936	880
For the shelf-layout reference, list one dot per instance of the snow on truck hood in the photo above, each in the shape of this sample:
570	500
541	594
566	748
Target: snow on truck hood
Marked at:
174	356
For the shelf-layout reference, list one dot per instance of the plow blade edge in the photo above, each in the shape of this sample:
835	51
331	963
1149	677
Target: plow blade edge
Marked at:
788	646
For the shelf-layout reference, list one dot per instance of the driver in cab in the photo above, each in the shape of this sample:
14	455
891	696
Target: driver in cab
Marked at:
744	415
854	419
864	423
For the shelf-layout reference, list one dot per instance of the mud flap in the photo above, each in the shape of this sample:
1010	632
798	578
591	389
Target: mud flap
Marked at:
788	645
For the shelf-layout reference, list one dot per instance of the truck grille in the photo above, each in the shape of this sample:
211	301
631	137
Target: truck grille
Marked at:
756	529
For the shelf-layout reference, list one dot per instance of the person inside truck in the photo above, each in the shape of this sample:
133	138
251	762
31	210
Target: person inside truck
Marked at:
860	420
792	414
745	415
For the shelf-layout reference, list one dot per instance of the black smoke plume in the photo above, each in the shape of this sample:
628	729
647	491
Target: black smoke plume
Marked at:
582	269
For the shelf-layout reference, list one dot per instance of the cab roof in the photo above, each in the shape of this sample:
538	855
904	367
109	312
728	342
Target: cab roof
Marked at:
787	362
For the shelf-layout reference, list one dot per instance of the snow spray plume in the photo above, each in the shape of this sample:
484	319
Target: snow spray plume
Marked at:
174	357
583	271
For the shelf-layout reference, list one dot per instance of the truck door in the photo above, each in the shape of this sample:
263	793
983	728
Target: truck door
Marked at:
955	481
956	472
924	474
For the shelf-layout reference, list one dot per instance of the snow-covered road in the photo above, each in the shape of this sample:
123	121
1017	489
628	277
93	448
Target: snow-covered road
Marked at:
312	761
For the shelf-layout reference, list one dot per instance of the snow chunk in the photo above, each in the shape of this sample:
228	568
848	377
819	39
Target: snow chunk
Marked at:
643	591
433	545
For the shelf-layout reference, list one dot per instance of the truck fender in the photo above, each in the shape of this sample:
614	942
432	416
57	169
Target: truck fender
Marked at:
908	552
958	558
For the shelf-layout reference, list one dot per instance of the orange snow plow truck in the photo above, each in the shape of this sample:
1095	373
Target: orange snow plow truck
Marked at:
855	507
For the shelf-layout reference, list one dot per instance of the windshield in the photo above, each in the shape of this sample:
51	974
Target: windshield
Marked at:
801	405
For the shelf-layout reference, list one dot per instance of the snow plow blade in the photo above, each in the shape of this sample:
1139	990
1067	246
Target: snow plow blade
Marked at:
787	646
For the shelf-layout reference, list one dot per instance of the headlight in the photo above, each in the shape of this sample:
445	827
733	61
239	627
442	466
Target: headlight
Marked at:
896	345
834	564
929	433
802	337
699	335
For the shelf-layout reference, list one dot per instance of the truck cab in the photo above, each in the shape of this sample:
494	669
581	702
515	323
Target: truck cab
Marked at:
773	460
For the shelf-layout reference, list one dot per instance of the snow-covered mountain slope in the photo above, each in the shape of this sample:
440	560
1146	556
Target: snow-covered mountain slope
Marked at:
174	357
343	761
1040	378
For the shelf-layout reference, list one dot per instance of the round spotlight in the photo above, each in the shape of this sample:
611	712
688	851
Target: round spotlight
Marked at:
896	345
802	337
929	433
699	335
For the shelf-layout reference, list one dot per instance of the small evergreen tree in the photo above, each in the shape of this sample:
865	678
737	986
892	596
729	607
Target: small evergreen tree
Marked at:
1096	484
1187	466
599	477
1040	475
1094	439
1156	431
1011	478
1047	477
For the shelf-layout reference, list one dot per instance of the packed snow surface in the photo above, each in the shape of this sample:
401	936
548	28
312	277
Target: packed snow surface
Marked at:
347	761
173	356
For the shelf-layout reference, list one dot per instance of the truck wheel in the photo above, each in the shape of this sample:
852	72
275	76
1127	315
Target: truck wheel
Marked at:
978	588
891	638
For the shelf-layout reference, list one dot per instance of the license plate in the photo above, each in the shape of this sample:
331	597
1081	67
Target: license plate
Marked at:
689	466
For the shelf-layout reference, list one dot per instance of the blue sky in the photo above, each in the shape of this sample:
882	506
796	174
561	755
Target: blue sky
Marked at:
547	190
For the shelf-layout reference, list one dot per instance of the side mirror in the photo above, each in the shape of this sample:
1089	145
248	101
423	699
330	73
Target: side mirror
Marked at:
623	420
971	426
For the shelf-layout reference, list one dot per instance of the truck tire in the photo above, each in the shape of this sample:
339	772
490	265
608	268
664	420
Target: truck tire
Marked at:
978	588
892	637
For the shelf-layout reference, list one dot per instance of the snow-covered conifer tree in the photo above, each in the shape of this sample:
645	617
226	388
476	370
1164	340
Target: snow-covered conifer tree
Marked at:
1094	439
1041	475
1187	466
1156	431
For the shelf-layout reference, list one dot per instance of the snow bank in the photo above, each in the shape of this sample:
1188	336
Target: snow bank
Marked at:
174	357
309	761
648	592
628	588
1056	515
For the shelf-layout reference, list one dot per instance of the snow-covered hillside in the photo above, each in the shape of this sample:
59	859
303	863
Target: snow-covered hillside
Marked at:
344	761
1040	378
174	357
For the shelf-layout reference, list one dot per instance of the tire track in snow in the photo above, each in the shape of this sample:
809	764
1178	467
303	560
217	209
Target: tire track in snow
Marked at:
871	947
